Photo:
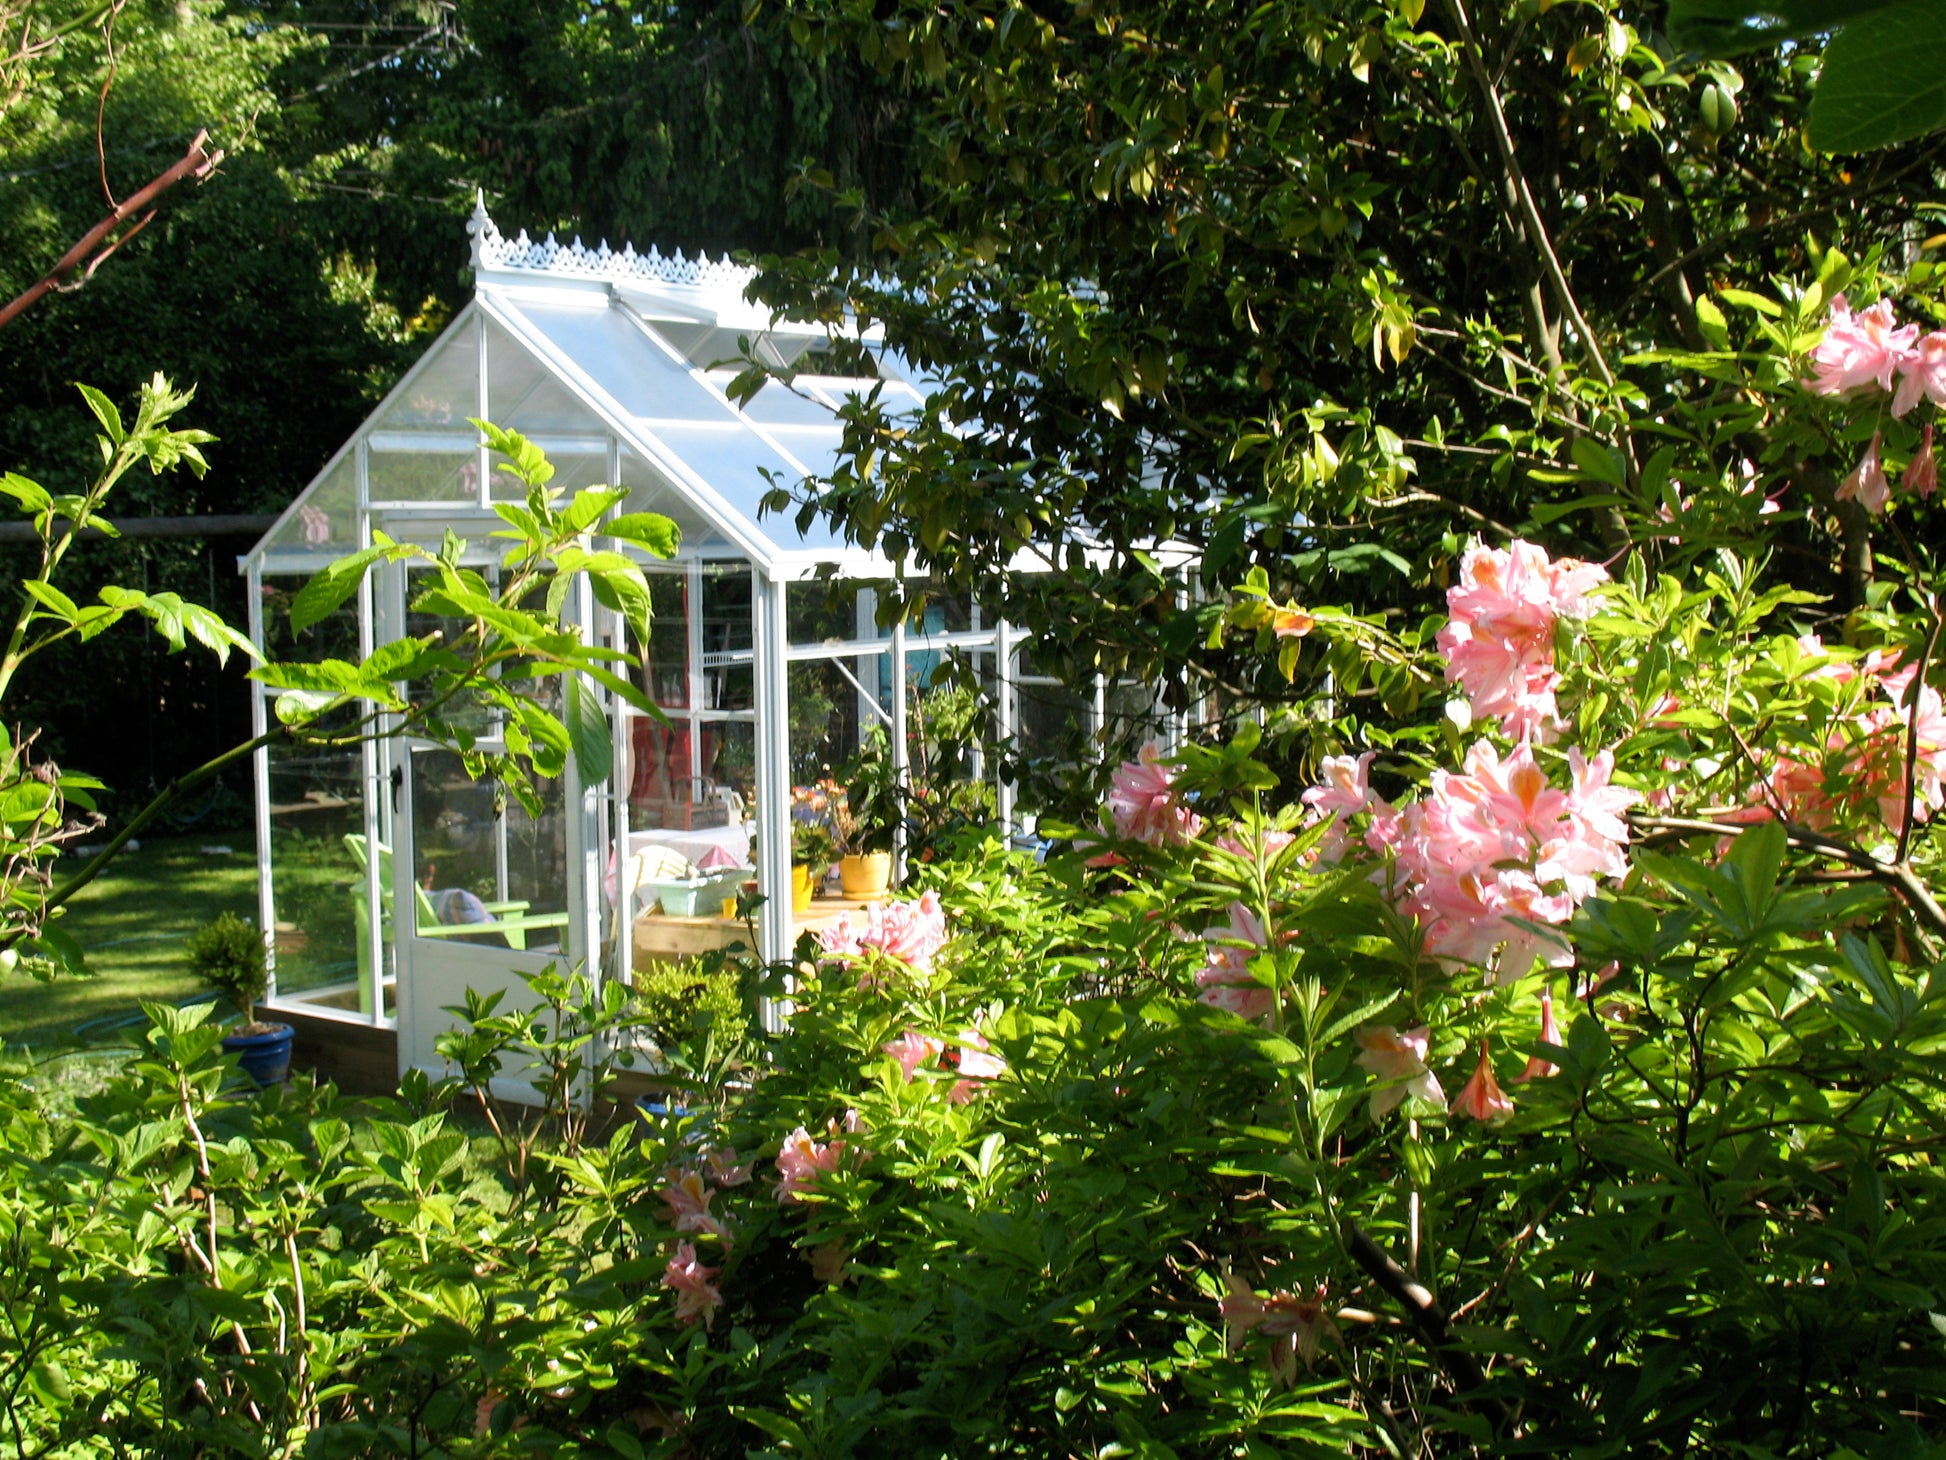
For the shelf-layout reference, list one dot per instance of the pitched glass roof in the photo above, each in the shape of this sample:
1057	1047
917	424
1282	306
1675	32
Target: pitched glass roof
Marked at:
598	357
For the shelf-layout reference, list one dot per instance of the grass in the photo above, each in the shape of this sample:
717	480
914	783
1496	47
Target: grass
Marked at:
135	921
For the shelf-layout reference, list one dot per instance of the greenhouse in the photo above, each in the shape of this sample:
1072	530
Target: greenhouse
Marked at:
767	655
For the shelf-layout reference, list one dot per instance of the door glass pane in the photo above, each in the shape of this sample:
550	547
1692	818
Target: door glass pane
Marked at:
484	871
316	799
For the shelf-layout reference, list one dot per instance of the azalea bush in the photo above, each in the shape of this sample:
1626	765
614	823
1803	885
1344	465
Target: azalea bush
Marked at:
1553	1065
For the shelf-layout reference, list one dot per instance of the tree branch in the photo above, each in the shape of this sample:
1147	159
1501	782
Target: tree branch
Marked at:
196	163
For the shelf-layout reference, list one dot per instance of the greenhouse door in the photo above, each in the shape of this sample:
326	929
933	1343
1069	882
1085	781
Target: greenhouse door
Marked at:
483	892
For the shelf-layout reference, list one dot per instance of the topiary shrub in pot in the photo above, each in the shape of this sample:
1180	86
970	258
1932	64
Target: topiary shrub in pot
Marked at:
228	956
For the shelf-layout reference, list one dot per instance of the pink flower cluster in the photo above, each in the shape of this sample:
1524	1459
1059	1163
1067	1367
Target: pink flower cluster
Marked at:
1865	760
1499	640
802	1161
1494	848
1873	349
1295	1326
1144	806
696	1296
911	932
972	1057
688	1197
1398	1062
1225	980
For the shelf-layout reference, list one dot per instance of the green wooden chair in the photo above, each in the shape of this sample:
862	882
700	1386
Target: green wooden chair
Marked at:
507	920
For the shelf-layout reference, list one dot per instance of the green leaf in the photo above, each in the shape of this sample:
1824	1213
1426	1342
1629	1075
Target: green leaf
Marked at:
594	747
1881	81
52	599
324	593
105	412
1731	27
650	530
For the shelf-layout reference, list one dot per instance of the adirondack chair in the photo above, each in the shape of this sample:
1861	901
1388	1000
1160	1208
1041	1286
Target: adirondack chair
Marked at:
507	920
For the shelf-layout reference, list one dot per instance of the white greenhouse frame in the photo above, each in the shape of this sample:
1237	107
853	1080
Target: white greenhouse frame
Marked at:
612	363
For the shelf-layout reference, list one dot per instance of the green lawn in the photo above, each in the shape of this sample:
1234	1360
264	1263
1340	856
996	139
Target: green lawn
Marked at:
134	921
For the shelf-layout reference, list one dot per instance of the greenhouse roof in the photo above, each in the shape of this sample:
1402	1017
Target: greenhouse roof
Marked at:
617	365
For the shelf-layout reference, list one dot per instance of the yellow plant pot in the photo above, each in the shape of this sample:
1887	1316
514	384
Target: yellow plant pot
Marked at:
866	877
800	887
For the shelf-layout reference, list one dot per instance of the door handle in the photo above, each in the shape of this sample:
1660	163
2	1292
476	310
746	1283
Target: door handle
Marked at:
397	778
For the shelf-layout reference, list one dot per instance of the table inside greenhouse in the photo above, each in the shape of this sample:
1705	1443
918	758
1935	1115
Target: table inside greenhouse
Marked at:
665	939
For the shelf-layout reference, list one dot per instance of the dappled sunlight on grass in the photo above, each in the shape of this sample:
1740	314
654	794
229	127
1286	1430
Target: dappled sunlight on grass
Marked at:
134	921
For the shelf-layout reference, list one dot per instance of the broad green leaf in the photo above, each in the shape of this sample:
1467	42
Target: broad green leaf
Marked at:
650	530
594	747
1731	27
324	593
1881	81
52	599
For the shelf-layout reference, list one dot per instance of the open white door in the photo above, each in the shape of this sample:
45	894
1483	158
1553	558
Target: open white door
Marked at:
490	892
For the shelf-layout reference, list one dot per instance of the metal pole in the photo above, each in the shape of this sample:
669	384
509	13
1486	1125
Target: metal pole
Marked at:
898	706
770	642
260	775
1004	673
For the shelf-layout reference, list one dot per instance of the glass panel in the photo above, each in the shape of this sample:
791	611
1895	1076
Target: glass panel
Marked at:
823	720
316	799
679	767
1133	719
625	363
726	610
817	612
479	860
650	491
1052	724
778	405
524	395
326	519
446	392
571	474
333	637
424	476
732	462
665	671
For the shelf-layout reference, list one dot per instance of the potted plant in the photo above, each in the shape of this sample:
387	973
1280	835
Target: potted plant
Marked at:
812	853
228	956
862	823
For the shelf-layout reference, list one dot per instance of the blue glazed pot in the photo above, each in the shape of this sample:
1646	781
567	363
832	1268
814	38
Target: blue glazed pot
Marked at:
265	1057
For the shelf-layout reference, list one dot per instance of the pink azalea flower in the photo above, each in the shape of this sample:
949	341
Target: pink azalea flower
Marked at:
912	1049
1859	350
911	932
1499	640
1922	473
724	1169
1398	1062
1263	844
688	1199
1143	804
1225	980
1295	1326
977	1065
1867	484
696	1296
1922	373
802	1161
1481	1097
1344	785
828	1261
1538	1067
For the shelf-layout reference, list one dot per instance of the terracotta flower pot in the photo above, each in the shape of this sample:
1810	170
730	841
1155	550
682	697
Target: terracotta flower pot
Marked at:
866	877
